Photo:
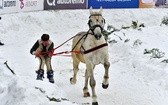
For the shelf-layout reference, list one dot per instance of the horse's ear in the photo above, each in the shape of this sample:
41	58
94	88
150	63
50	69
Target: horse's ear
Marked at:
101	10
91	11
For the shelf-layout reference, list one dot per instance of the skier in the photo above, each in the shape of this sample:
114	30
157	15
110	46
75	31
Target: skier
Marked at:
43	50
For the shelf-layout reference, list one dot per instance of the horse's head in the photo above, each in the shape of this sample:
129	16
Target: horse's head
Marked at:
96	23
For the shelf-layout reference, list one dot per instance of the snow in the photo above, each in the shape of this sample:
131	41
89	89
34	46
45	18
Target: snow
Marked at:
135	78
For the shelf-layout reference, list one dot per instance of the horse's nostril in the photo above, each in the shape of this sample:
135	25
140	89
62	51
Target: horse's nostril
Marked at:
98	36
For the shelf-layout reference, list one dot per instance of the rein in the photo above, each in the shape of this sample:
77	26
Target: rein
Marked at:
52	51
95	15
84	36
73	51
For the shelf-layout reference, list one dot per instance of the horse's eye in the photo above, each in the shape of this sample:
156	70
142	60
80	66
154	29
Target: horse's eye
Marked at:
90	22
102	21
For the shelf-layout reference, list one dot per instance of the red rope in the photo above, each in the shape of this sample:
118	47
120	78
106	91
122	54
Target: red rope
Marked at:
52	51
67	52
60	53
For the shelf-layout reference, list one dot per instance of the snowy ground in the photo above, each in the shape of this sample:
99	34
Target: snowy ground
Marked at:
135	78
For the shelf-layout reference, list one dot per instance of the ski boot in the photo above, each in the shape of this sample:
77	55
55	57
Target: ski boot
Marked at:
50	75
1	43
40	74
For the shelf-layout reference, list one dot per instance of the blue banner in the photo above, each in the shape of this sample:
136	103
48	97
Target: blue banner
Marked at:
65	4
113	3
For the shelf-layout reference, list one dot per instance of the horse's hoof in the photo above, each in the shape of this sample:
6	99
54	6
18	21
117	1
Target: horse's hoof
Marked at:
87	94
105	86
94	103
72	81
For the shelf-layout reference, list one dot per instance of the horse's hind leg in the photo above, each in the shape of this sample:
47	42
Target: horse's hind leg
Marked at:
75	70
106	76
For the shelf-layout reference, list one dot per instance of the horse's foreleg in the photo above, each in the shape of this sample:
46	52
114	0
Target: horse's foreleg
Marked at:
85	89
106	76
90	69
93	85
75	70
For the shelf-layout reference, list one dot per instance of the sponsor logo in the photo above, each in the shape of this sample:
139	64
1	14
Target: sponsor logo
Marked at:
27	3
21	4
53	2
1	4
31	3
9	3
113	0
70	1
106	0
147	1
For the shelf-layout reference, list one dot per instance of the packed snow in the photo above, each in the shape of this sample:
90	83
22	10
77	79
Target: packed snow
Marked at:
135	78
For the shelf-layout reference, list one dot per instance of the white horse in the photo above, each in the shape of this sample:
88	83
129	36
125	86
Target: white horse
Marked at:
94	51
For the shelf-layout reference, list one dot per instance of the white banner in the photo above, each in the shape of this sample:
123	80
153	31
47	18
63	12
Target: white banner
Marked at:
11	6
8	6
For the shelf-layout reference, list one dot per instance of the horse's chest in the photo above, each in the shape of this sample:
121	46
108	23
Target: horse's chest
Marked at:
96	56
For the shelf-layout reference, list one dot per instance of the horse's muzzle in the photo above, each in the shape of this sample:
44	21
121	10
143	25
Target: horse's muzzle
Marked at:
98	36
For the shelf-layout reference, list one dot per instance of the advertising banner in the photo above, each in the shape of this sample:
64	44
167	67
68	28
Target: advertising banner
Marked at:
30	5
113	3
146	3
8	6
153	3
65	4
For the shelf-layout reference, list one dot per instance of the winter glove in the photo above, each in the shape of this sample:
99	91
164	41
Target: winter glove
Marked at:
50	54
37	53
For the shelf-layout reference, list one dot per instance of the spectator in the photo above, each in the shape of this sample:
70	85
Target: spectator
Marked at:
0	41
160	2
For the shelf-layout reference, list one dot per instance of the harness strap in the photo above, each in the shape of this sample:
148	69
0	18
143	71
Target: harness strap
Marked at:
95	48
84	36
67	52
95	15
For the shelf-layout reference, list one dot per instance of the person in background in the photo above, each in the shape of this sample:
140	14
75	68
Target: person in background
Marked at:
0	41
160	2
43	50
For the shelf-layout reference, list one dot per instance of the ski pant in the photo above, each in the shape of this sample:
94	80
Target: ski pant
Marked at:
45	60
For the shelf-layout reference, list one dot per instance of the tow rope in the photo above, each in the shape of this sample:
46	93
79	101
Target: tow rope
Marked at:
60	53
51	52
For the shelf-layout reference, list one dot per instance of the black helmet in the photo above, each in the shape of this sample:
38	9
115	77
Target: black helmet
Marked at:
45	37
